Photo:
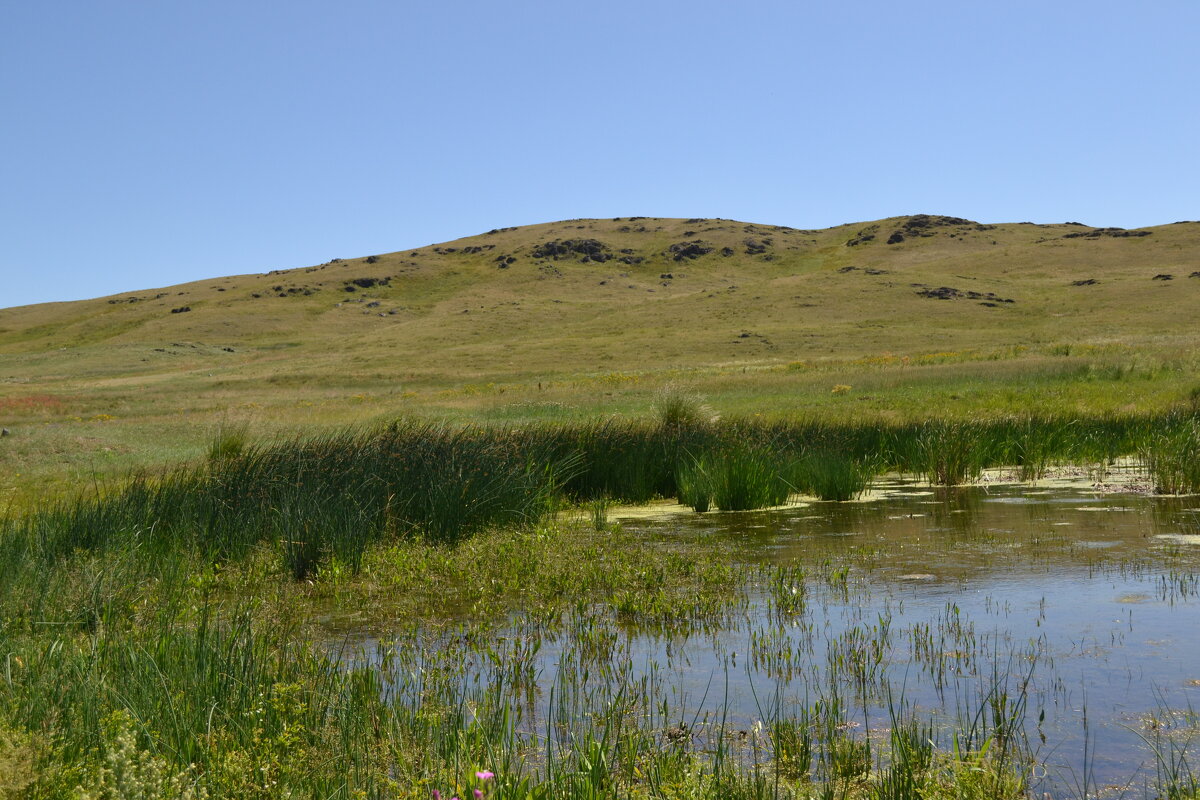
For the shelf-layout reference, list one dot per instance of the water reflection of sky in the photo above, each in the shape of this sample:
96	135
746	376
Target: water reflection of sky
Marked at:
1101	587
1090	598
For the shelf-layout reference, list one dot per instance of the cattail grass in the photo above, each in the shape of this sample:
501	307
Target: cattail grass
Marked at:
314	498
736	478
1171	456
832	475
694	483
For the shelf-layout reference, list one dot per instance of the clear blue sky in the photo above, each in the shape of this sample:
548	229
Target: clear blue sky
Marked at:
149	143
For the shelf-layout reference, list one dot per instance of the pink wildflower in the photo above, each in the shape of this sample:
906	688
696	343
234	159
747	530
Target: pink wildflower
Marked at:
485	775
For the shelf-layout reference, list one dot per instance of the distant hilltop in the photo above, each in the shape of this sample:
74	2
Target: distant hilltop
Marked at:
652	293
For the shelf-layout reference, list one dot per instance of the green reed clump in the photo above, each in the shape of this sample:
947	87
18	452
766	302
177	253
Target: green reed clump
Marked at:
793	740
738	477
693	483
912	757
631	461
832	475
1172	456
952	452
1032	445
628	460
314	498
598	512
229	441
676	408
947	452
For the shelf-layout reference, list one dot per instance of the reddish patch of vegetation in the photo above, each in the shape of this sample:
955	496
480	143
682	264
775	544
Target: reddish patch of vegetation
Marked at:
33	402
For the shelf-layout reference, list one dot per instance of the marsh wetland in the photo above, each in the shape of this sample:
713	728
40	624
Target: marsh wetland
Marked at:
1052	620
1003	609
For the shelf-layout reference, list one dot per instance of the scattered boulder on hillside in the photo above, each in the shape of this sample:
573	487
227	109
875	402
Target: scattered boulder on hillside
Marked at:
923	225
1085	282
865	270
751	335
292	291
689	250
181	310
726	251
863	236
926	221
504	261
494	231
1163	276
1195	275
4	432
950	293
755	247
371	259
586	249
365	283
1116	233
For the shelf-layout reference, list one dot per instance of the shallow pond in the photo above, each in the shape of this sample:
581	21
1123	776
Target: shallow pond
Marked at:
1053	614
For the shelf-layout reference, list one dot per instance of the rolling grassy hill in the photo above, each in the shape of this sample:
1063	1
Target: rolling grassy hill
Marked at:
907	315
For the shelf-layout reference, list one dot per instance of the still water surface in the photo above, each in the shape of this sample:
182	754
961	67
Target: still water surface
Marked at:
952	602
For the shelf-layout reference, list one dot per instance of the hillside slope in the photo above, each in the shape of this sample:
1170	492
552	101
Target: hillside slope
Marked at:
903	317
641	293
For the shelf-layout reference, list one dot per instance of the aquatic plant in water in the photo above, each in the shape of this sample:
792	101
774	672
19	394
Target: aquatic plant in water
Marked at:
831	475
734	478
1172	457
